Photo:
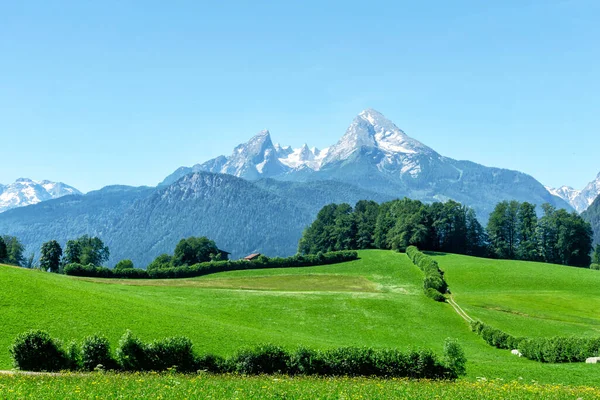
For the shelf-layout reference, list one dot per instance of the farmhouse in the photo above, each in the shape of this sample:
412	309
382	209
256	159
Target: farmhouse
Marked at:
223	255
252	256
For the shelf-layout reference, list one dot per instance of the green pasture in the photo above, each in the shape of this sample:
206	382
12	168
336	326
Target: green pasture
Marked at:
375	301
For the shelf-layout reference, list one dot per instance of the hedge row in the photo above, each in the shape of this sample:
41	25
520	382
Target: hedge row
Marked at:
495	337
434	284
212	267
37	351
546	350
595	266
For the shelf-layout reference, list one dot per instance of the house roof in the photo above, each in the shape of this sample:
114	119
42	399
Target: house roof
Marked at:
252	256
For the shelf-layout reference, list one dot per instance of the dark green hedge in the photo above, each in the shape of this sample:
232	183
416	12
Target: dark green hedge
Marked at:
35	350
547	350
559	349
212	267
434	284
495	337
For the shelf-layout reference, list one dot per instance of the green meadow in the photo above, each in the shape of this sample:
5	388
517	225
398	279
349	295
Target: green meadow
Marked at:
375	301
166	386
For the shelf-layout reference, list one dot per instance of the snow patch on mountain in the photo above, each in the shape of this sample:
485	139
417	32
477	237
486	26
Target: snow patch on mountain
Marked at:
24	192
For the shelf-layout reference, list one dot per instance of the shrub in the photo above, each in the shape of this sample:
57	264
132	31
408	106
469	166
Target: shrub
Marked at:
73	353
595	266
211	363
124	264
131	354
305	361
263	359
173	352
35	350
350	361
435	295
454	358
434	284
95	350
559	349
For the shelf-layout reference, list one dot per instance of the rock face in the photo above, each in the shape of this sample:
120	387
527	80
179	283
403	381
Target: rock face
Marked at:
580	200
24	192
375	155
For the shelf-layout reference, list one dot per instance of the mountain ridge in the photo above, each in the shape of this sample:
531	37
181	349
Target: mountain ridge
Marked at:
376	155
139	223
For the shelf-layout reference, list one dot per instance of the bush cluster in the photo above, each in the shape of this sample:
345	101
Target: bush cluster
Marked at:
559	349
595	266
212	266
495	337
434	284
547	350
36	351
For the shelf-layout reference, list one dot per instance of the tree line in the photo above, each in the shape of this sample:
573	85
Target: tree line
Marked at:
514	230
83	250
448	227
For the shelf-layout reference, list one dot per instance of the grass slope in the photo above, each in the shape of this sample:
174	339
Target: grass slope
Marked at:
375	301
526	298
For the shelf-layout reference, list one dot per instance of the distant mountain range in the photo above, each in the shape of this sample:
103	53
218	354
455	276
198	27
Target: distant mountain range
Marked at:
376	155
243	217
580	200
24	192
262	196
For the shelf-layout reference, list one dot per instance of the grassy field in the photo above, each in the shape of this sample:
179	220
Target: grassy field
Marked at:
110	386
526	298
375	301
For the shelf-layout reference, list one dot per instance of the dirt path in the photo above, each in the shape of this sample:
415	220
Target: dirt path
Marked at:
459	310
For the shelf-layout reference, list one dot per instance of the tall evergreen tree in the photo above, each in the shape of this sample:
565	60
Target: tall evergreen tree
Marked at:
526	232
383	226
14	251
547	235
51	254
365	213
86	250
411	224
596	256
476	237
574	239
3	250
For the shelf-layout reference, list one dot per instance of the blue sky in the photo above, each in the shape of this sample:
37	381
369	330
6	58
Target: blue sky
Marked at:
104	92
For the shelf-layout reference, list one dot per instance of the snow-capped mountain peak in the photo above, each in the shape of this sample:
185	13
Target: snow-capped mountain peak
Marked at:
580	200
24	192
305	157
372	130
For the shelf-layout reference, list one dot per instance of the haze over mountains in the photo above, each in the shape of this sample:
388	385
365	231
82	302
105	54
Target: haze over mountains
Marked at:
262	196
